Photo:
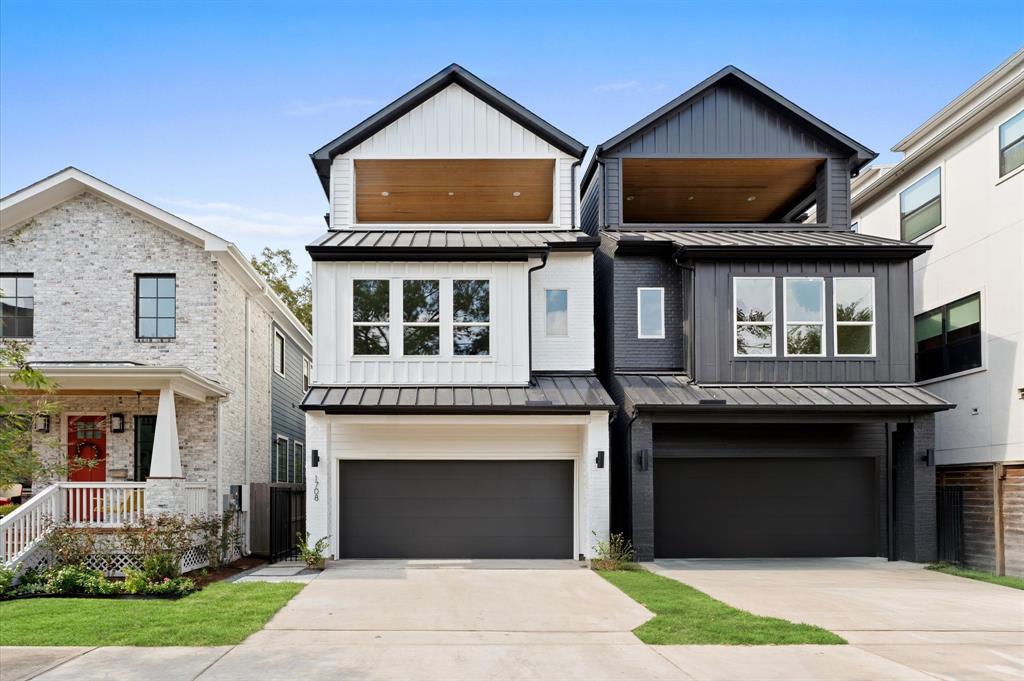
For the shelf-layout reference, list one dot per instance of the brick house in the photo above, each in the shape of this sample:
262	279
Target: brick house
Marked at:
178	368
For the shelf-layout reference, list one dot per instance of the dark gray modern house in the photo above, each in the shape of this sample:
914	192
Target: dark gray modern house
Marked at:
762	362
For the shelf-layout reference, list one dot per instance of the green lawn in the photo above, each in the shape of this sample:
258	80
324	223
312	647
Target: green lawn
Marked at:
220	614
687	616
1012	582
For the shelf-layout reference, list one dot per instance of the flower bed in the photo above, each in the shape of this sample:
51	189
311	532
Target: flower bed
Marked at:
77	581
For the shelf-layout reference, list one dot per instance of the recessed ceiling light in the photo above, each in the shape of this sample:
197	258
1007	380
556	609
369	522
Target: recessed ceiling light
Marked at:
515	193
689	198
751	198
629	198
385	193
451	193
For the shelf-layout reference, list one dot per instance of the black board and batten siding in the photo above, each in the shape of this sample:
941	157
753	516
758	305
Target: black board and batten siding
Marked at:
286	393
713	339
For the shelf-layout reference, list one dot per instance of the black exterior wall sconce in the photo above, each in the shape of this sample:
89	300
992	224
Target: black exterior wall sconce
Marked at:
43	423
600	459
643	459
117	423
315	459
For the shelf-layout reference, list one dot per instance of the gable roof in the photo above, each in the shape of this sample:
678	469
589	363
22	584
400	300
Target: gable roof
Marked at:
68	183
861	153
454	73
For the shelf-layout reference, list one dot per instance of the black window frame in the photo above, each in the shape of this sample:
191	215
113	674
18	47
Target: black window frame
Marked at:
142	462
904	217
944	348
1003	172
276	461
138	308
14	295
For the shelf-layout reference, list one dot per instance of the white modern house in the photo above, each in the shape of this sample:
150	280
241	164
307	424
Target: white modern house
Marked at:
170	352
454	411
959	188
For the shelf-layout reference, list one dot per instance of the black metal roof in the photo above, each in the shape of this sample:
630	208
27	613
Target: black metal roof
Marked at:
446	244
678	392
547	393
766	241
454	73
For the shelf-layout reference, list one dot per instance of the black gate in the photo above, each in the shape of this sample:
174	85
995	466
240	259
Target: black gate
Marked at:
951	524
287	519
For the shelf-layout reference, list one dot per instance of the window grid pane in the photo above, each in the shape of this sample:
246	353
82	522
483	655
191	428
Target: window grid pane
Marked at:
371	315
854	303
754	315
155	306
16	306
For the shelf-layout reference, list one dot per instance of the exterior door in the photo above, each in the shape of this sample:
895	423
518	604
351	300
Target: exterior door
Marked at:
87	459
145	429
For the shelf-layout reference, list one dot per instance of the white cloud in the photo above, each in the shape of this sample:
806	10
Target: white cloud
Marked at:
306	107
237	223
620	86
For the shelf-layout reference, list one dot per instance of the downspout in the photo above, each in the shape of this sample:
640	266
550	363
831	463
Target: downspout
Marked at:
219	497
890	530
529	311
691	351
248	302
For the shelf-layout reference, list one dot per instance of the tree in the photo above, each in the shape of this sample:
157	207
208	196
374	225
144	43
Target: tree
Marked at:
278	268
25	396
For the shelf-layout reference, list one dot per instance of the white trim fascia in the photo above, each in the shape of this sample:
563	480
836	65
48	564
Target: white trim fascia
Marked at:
181	380
785	319
639	326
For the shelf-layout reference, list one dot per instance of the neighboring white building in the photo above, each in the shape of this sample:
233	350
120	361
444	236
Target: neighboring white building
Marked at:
960	189
161	337
454	412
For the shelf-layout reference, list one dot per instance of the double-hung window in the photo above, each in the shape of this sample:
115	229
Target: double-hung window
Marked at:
650	312
854	316
155	306
556	313
299	463
306	370
948	338
279	462
471	317
421	317
16	305
754	315
371	317
804	312
921	206
279	353
1011	144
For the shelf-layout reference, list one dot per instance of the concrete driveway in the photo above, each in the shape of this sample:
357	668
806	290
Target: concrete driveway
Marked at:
935	623
467	620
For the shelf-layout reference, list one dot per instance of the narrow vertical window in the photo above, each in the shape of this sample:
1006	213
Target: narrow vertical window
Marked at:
471	317
279	462
306	370
371	317
754	315
421	317
948	338
16	305
804	311
155	306
855	316
921	206
1011	144
650	312
556	313
279	352
300	462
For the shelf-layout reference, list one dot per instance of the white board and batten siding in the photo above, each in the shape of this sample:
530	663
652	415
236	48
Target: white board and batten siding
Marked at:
451	124
573	272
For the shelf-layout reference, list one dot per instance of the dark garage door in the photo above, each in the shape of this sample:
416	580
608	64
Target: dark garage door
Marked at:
765	507
456	509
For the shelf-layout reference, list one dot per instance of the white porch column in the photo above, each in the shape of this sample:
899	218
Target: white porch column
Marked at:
595	482
165	486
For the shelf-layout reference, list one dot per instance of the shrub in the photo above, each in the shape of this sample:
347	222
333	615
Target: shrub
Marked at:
161	566
179	586
74	579
7	579
159	533
614	553
69	545
220	535
135	581
312	555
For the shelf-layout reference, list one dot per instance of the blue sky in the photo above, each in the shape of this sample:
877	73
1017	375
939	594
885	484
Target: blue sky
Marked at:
210	109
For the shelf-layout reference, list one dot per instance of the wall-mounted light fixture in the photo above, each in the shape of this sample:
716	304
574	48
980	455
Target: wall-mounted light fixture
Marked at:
314	460
117	423
43	423
643	459
600	459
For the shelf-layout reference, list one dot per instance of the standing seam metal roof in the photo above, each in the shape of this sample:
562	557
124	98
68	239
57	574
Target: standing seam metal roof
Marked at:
758	238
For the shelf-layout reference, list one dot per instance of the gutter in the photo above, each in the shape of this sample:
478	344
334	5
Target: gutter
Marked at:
247	421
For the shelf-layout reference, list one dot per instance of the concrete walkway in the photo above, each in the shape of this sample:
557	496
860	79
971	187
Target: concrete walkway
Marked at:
409	620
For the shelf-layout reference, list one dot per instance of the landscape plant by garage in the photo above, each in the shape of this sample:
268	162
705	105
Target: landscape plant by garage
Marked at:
614	553
313	556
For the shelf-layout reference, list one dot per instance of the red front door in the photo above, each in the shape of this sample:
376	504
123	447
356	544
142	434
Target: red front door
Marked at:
87	461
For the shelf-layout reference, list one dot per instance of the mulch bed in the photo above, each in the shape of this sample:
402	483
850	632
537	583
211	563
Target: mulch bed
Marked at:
225	571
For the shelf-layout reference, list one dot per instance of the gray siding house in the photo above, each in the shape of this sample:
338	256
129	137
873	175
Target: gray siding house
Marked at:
288	384
762	363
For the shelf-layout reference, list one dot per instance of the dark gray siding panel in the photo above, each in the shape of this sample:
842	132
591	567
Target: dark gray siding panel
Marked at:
632	353
285	397
604	311
727	120
590	213
612	192
714	330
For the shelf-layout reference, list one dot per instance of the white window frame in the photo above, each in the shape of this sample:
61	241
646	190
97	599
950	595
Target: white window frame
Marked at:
639	311
547	331
1000	175
389	323
279	355
786	323
836	323
737	324
941	167
437	324
307	373
449	313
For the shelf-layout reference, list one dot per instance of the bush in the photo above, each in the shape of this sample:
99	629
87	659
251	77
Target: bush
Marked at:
179	586
161	566
73	579
69	545
313	555
135	581
614	553
7	579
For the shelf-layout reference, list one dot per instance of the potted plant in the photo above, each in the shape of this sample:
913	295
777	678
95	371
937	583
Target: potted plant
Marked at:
313	555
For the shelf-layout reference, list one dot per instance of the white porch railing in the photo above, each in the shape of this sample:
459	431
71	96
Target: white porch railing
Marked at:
82	504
